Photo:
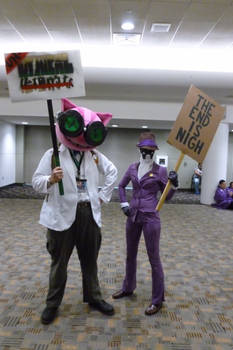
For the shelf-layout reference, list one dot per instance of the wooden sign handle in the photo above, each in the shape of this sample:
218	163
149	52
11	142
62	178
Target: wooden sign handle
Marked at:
168	185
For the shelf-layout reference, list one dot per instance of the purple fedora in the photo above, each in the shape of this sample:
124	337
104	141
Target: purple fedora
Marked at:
147	139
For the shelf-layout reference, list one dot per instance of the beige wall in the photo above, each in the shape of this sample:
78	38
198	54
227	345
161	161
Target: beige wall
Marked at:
37	140
119	146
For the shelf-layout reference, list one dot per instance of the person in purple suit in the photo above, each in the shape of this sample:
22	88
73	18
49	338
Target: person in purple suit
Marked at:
223	198
148	178
230	188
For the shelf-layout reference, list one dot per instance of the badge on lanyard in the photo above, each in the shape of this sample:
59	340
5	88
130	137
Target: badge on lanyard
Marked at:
81	184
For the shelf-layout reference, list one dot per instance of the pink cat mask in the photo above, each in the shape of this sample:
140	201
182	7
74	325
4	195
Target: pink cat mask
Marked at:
79	128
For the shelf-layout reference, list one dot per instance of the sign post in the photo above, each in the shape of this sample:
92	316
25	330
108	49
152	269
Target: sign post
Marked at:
54	142
45	76
194	129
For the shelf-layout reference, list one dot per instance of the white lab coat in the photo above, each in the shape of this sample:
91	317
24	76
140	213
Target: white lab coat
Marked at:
58	211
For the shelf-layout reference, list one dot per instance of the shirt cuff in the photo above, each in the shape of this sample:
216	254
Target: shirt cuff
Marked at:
101	196
124	204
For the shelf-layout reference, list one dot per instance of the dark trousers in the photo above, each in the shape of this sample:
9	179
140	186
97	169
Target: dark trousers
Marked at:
85	235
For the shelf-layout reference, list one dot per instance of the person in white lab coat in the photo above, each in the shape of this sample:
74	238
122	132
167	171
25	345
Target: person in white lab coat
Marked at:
74	219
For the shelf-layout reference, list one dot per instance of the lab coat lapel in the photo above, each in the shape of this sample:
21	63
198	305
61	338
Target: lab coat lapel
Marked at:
67	162
91	173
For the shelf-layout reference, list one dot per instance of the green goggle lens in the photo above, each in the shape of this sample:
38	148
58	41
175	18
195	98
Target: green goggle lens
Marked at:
71	124
95	134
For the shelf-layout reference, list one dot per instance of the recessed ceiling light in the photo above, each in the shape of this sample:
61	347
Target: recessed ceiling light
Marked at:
128	25
144	127
24	123
114	125
126	38
160	27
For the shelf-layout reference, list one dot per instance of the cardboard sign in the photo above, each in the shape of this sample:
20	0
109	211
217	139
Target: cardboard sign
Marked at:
44	75
196	124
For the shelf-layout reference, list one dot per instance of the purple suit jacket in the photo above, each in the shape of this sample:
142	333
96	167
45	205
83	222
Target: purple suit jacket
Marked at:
145	190
222	198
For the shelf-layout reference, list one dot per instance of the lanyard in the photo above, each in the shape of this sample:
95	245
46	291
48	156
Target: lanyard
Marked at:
76	162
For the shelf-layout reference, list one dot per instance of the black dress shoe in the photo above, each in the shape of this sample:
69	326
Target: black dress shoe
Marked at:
153	309
49	314
121	294
103	307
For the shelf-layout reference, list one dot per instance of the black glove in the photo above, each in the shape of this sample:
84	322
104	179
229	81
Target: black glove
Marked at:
126	210
173	177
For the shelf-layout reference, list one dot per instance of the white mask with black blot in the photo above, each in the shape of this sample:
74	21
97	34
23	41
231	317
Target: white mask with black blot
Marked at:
147	153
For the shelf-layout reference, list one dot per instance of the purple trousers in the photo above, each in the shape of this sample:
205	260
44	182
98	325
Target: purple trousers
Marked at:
150	225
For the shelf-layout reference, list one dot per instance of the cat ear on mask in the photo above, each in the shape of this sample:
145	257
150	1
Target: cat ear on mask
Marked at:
104	117
66	104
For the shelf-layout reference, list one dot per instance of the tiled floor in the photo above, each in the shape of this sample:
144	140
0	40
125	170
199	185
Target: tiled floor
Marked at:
197	255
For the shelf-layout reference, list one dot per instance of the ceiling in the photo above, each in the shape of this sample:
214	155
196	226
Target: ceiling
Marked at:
196	26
